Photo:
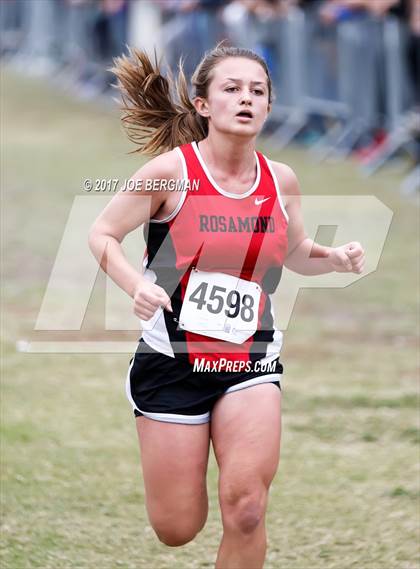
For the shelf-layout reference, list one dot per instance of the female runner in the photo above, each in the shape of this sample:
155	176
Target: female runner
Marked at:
207	367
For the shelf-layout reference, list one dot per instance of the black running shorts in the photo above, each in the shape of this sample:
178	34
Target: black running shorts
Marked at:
170	389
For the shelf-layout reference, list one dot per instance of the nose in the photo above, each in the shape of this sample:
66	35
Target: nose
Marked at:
246	97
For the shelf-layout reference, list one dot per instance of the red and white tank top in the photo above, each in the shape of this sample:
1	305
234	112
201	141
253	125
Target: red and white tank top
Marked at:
212	239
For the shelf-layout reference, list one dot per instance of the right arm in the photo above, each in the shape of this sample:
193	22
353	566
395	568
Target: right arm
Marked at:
125	212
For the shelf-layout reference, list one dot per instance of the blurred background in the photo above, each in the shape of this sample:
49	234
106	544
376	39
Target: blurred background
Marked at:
346	120
346	72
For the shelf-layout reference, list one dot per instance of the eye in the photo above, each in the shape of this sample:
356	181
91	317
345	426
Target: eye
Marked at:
258	91
231	89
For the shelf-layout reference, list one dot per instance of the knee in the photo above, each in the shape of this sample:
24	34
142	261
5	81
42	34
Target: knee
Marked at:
174	537
176	533
244	512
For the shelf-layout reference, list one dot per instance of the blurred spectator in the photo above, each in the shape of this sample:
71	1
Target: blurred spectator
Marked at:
335	11
414	49
264	17
11	25
109	36
191	28
321	52
235	17
109	29
370	105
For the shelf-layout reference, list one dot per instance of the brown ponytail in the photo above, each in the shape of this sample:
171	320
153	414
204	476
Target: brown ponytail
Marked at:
152	119
156	122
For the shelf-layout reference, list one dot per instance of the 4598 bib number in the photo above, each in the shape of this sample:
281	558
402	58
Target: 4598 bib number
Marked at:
221	306
238	305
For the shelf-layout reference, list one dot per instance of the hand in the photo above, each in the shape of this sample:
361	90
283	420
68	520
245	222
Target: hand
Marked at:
148	297
349	258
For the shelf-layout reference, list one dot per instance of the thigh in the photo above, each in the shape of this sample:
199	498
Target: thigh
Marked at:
174	461
245	432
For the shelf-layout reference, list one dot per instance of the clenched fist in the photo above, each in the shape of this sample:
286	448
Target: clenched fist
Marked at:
349	258
148	297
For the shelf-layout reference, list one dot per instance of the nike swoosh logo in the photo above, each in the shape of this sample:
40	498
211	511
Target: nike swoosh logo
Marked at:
259	202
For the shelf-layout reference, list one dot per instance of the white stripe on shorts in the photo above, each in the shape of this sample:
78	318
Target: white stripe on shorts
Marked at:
166	417
255	381
175	418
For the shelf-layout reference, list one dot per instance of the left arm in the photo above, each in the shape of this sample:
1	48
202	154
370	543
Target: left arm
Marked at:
304	256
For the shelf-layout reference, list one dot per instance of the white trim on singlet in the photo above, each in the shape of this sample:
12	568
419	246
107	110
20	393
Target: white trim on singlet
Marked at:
156	337
183	191
217	187
275	346
276	184
165	417
255	381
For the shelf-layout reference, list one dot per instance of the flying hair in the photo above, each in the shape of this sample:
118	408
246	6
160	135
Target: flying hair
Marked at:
157	112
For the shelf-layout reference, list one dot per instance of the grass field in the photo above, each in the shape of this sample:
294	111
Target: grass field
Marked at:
347	491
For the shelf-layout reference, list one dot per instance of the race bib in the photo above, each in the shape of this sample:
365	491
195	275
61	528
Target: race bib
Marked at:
220	306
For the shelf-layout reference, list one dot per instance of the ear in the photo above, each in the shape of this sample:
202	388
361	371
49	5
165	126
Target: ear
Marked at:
201	106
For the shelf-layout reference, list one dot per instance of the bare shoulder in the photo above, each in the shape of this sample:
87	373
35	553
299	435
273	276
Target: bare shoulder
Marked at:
286	179
166	166
129	209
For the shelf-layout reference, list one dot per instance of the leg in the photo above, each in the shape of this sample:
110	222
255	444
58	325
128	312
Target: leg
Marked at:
174	459
245	431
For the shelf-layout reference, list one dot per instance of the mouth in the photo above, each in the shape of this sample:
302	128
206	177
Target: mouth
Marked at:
246	114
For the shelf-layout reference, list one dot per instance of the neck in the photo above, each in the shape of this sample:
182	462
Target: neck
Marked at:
231	155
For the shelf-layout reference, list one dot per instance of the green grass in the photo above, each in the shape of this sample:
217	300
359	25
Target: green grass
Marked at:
346	494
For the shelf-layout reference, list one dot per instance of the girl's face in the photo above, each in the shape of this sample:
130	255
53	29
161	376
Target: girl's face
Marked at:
237	99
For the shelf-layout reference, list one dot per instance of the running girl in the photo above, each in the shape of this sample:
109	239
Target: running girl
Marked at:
214	258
